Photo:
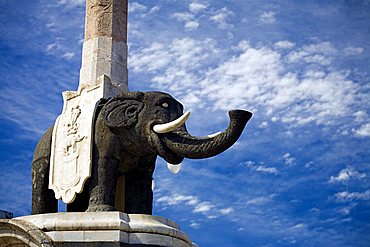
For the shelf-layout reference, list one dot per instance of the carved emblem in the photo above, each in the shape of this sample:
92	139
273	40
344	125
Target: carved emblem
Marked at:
70	159
70	156
72	143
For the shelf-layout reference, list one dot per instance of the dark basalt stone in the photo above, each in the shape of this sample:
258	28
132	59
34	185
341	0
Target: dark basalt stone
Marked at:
126	146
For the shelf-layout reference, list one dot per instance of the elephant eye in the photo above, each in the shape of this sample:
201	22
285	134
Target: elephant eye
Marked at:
165	105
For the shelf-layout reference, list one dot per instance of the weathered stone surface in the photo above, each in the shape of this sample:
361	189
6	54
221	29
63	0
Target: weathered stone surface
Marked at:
106	18
17	232
107	229
126	146
105	45
104	56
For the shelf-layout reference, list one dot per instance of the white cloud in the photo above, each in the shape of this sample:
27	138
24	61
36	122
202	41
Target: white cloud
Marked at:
284	44
346	210
197	7
72	2
289	160
257	201
315	53
346	196
298	227
267	17
256	79
261	168
183	16
154	9
203	207
360	116
351	51
177	199
189	19
315	74
347	174
136	7
194	225
221	16
271	170
264	125
363	131
260	200
191	25
51	47
225	211
175	65
68	55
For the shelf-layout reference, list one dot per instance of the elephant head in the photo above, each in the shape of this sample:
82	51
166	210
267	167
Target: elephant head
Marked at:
155	122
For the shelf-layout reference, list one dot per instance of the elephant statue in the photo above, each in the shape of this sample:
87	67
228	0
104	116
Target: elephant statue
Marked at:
130	130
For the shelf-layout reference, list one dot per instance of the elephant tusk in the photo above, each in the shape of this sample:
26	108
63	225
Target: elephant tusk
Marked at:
153	184
174	168
171	126
207	136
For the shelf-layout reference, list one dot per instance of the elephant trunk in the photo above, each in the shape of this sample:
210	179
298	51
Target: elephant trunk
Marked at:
183	144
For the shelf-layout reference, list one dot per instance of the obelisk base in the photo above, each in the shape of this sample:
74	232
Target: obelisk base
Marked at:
100	229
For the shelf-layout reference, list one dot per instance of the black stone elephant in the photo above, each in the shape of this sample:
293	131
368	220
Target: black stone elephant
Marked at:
130	130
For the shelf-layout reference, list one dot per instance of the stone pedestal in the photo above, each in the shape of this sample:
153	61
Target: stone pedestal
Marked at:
92	229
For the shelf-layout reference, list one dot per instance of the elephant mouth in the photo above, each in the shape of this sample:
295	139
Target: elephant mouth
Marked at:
160	147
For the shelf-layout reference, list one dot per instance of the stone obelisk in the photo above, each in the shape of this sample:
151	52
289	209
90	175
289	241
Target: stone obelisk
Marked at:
103	74
105	44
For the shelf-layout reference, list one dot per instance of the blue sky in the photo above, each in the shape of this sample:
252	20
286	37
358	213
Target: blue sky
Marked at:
298	176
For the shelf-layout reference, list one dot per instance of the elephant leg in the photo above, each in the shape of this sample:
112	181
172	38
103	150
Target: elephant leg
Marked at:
43	199
103	185
138	192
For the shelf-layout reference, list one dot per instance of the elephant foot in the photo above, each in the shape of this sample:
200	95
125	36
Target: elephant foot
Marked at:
100	208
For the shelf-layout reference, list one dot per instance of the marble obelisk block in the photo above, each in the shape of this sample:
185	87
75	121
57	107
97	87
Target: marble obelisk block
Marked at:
105	45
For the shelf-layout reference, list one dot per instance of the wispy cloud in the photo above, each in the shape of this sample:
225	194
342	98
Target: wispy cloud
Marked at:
284	44
346	175
136	7
261	168
289	160
196	7
260	200
221	18
191	25
267	17
72	2
363	131
68	55
346	196
351	51
201	207
189	19
316	53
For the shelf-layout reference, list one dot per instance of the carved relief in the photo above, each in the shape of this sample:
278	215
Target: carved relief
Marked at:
106	18
71	145
103	21
70	172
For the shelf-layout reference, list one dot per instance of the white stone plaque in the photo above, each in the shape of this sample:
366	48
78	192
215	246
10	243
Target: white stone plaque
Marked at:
71	148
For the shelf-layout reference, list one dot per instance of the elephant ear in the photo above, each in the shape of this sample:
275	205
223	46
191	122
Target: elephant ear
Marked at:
122	112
